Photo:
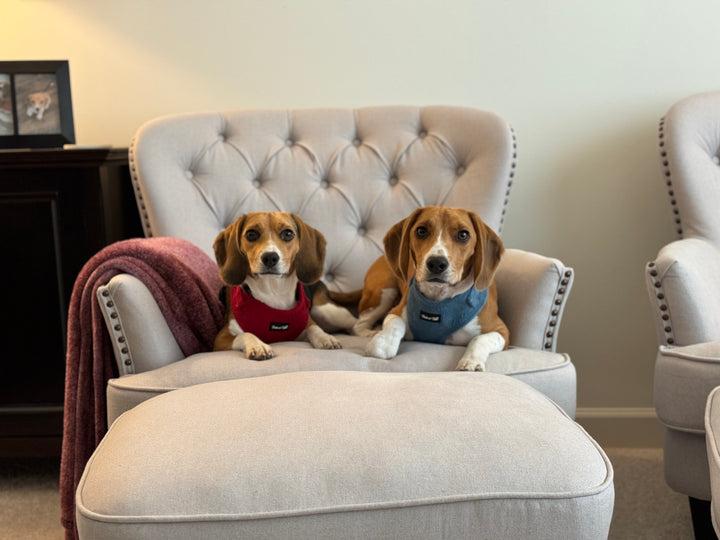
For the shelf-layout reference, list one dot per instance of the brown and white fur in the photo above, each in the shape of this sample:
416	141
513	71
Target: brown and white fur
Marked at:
447	250
37	103
268	253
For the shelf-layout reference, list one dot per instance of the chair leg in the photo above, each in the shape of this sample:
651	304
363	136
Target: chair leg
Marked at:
702	522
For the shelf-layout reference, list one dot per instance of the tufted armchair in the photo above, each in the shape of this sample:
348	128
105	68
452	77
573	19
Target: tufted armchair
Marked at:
351	174
683	284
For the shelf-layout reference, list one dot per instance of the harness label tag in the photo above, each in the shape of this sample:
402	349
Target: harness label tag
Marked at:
430	317
279	326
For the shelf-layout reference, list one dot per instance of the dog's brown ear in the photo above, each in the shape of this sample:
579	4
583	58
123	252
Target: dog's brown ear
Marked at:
488	250
397	246
311	257
230	257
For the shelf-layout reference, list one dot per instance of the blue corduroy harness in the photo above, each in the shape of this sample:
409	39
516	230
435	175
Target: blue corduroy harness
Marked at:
435	322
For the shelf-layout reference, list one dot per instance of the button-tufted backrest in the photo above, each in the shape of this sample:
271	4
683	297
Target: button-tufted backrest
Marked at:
351	174
690	154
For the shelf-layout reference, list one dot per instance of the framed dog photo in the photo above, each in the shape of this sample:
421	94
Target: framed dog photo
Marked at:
35	104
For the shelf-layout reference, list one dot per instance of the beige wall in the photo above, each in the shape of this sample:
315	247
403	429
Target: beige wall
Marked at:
582	82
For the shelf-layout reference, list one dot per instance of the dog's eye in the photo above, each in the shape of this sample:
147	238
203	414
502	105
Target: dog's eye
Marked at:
463	236
421	233
287	235
252	235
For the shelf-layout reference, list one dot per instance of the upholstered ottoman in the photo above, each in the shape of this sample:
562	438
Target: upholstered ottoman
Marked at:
348	455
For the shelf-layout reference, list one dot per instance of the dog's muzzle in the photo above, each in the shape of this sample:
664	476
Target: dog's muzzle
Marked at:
436	267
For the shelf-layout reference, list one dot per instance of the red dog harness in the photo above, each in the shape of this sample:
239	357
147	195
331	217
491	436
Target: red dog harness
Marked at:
269	324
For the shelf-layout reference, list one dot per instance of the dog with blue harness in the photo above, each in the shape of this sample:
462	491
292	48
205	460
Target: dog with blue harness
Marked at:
435	283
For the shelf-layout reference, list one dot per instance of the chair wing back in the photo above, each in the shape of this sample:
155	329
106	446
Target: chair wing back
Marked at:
349	173
690	153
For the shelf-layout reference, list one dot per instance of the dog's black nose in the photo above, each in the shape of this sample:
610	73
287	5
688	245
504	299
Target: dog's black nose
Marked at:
437	265
270	259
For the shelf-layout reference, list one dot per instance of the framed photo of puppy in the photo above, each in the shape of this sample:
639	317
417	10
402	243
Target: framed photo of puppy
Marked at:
35	104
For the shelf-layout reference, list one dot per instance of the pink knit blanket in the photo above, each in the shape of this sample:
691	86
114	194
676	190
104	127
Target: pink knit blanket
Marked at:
185	283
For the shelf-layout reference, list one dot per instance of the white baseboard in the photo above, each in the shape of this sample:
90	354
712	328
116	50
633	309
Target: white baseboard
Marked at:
636	427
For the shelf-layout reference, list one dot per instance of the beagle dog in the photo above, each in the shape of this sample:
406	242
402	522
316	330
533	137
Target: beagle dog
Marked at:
265	258
37	103
442	262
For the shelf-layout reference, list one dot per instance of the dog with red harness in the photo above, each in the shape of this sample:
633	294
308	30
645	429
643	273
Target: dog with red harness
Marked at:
265	258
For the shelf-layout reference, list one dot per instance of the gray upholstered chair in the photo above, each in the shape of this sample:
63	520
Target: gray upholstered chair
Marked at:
683	284
351	174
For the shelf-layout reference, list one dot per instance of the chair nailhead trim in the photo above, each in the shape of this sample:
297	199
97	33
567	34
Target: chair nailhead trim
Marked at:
145	219
652	273
511	177
665	161
117	333
560	296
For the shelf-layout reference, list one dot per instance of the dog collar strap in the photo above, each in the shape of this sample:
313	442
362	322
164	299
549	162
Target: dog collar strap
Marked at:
435	322
269	324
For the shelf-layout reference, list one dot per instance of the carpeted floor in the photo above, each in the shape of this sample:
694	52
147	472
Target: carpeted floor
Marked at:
645	508
29	500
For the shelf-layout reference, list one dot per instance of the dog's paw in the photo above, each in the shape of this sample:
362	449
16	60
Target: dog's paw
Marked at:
320	339
470	365
479	350
327	342
382	345
260	352
470	362
254	348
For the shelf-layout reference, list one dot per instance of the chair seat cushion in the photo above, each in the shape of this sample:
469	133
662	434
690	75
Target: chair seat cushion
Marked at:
684	377
551	373
348	455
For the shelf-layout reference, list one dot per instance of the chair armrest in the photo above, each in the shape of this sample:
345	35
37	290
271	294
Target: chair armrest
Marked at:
683	285
532	292
141	338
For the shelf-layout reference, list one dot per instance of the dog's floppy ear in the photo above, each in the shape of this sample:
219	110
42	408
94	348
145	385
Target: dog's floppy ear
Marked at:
310	258
488	250
397	246
230	257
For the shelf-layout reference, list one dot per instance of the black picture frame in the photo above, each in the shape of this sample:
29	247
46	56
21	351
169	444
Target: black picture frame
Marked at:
35	104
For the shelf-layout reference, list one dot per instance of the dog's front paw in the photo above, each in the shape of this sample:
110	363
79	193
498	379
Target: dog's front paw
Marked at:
479	350
470	364
383	345
386	343
263	352
327	342
254	348
320	339
330	342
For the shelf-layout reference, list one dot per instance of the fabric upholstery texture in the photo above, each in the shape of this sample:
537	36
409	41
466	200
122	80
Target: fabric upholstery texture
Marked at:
351	174
551	373
402	455
167	265
712	427
683	285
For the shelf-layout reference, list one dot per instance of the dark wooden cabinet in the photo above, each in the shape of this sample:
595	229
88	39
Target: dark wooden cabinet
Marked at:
57	209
